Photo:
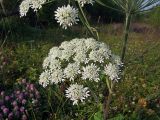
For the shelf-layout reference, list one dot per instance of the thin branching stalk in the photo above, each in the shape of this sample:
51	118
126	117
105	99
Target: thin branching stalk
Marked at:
129	8
85	22
126	33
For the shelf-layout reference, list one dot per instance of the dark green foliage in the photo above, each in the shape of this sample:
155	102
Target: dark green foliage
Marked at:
101	14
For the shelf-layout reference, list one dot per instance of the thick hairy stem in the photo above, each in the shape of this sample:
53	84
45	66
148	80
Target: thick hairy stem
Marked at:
106	103
126	33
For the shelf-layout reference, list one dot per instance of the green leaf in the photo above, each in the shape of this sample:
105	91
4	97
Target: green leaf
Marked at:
119	117
98	116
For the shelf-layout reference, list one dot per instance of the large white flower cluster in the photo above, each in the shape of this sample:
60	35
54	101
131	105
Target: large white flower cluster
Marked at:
26	4
79	61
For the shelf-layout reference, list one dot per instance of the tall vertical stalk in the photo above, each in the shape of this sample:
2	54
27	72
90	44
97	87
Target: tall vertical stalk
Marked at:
106	105
107	99
126	33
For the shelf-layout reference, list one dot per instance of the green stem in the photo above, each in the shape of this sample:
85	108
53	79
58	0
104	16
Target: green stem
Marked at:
49	98
108	85
126	33
32	110
34	115
86	23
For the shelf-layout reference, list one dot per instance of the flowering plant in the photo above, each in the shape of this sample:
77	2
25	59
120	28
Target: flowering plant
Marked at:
77	63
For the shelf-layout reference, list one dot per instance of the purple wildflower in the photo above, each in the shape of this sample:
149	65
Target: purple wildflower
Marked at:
5	110
2	93
14	103
10	116
7	98
22	109
24	101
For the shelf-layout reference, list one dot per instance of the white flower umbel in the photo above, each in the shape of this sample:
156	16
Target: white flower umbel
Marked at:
37	4
45	78
81	57
66	54
71	71
104	50
96	56
57	76
91	44
66	16
83	2
91	72
112	71
55	52
77	93
117	60
54	64
24	7
46	62
26	4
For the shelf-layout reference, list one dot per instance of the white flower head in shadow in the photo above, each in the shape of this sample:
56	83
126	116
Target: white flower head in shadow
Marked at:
77	92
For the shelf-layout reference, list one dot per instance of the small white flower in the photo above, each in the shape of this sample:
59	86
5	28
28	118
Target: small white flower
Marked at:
91	72
67	45
26	4
46	62
83	2
55	52
66	16
57	76
75	41
67	50
71	71
37	4
45	78
91	44
104	50
117	60
96	56
66	54
77	92
54	64
81	46
80	57
112	71
24	7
